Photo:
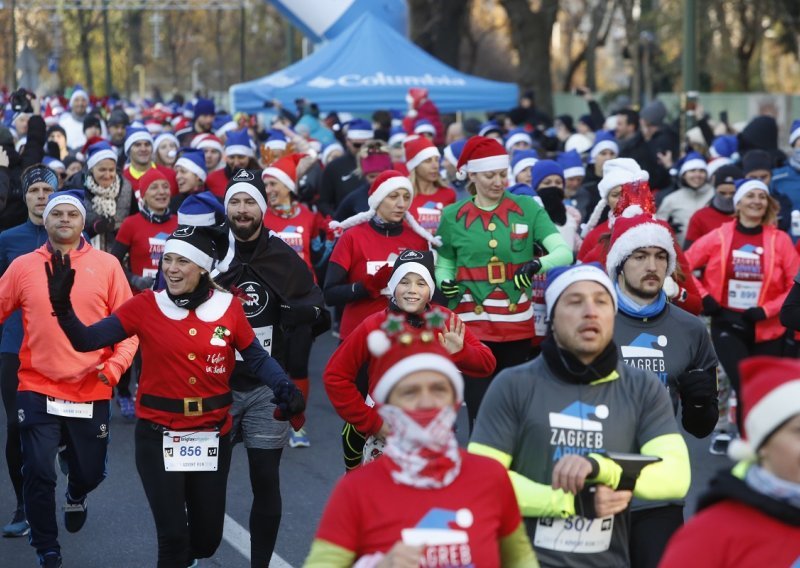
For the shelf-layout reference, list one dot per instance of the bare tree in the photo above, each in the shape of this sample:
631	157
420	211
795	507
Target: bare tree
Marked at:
531	30
438	26
600	17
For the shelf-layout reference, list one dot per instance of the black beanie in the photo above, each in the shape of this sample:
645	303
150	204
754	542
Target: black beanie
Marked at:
756	160
728	173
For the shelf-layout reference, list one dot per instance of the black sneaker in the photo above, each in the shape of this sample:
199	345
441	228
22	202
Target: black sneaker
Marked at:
74	514
50	560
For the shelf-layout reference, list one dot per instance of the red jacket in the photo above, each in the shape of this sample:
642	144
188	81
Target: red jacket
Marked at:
339	377
739	528
779	263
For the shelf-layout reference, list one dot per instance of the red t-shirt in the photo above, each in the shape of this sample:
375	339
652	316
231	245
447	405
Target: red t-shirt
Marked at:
427	209
362	251
704	221
744	272
217	182
186	353
146	241
297	231
169	172
368	512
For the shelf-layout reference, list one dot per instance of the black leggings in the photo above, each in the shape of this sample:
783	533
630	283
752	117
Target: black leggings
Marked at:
650	531
508	354
733	344
265	514
298	348
353	441
9	366
188	507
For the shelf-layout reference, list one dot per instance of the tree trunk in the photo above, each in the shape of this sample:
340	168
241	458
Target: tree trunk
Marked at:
452	17
85	47
420	30
530	34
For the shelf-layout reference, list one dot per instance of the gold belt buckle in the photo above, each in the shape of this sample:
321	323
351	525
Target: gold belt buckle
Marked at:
187	409
495	264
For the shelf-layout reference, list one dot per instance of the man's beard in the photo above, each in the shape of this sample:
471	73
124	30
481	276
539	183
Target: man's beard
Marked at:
642	293
245	232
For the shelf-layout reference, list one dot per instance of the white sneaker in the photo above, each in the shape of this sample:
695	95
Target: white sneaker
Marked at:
719	443
299	439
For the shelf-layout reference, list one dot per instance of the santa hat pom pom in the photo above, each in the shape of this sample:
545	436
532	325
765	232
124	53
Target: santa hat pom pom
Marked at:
311	153
412	113
80	156
333	225
172	153
740	450
462	174
378	343
632	211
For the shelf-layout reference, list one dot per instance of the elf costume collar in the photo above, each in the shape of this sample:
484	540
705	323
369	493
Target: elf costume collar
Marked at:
470	212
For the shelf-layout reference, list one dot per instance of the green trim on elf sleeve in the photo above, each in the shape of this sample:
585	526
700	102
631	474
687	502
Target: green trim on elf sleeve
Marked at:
516	550
609	471
534	499
559	253
669	478
324	554
445	269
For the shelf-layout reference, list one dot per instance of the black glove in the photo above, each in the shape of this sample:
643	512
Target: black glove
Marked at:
711	306
697	386
103	225
288	399
449	288
142	282
60	279
292	316
522	277
754	315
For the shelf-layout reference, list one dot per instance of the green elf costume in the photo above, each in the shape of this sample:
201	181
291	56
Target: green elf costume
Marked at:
486	260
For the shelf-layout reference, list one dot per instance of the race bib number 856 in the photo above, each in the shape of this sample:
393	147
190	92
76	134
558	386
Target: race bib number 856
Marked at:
190	451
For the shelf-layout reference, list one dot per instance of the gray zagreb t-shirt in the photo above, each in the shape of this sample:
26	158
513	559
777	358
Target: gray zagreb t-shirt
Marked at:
537	418
669	344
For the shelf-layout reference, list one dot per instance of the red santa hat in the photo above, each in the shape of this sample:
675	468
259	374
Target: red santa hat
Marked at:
400	349
481	154
203	141
415	97
384	184
635	229
418	149
284	170
770	396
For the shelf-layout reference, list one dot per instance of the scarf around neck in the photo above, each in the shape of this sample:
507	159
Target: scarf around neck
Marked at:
766	483
104	199
631	308
425	457
157	218
568	368
192	300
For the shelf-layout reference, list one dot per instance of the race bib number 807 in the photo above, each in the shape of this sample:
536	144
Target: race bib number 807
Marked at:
574	534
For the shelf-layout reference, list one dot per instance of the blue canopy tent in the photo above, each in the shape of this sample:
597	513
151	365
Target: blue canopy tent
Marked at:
368	67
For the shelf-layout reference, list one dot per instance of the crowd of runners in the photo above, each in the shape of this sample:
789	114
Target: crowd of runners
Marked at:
591	289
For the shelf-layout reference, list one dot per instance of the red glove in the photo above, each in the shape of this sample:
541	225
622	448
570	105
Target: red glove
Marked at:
378	281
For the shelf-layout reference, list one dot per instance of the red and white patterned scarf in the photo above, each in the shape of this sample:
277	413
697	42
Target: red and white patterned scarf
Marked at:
422	446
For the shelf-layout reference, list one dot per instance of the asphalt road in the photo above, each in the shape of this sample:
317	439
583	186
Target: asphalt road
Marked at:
120	533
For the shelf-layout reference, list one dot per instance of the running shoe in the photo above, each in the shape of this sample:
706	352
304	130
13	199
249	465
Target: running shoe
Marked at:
299	439
719	443
74	514
193	563
18	526
50	560
126	407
